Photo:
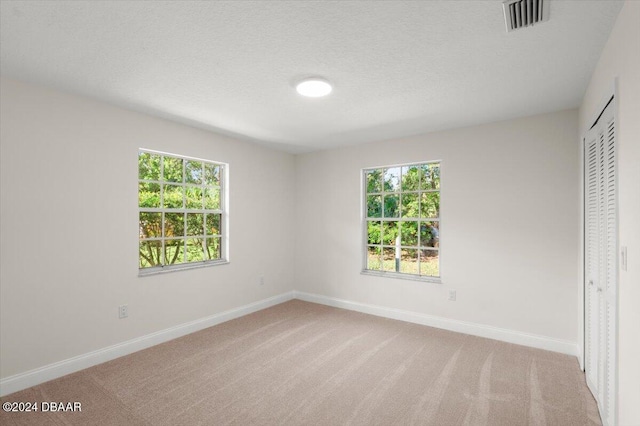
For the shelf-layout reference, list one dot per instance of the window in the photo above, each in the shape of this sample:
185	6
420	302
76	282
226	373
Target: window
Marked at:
181	212
402	220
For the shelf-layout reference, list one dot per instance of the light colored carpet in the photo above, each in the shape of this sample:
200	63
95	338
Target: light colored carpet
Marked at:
300	363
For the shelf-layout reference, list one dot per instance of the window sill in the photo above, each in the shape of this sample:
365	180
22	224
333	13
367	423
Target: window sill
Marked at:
382	274
176	268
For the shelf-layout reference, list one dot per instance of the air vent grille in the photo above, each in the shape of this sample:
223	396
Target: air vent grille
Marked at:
523	13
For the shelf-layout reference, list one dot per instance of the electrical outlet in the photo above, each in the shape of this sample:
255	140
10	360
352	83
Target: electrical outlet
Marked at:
123	311
452	295
261	280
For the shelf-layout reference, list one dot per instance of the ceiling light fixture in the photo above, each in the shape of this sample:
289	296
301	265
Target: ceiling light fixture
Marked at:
314	87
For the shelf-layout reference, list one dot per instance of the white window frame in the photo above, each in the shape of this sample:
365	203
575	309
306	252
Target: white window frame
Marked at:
364	219
223	211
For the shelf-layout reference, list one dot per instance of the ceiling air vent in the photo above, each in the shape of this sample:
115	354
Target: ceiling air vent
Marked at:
523	13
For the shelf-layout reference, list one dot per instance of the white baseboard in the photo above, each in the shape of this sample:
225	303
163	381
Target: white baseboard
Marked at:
52	371
505	335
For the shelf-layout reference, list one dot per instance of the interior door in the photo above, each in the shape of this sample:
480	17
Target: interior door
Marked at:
592	305
601	264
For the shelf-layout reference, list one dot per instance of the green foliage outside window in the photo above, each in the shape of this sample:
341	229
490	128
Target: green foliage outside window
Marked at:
180	210
403	210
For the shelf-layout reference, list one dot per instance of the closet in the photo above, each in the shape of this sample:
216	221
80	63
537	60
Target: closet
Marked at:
601	261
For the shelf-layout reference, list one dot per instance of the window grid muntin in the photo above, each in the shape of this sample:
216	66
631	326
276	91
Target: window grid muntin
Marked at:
400	192
220	236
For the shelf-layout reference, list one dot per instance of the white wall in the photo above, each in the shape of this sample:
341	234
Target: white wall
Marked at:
510	227
69	227
621	59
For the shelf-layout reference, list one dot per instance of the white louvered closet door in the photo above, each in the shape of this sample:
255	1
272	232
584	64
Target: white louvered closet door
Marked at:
601	248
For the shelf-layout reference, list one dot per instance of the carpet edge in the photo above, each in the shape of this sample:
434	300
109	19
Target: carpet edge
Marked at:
20	381
505	335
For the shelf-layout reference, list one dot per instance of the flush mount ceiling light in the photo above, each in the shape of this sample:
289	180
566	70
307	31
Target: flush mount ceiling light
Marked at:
314	87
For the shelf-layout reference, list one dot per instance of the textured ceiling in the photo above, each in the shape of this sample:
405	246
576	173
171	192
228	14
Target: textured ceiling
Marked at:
398	68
